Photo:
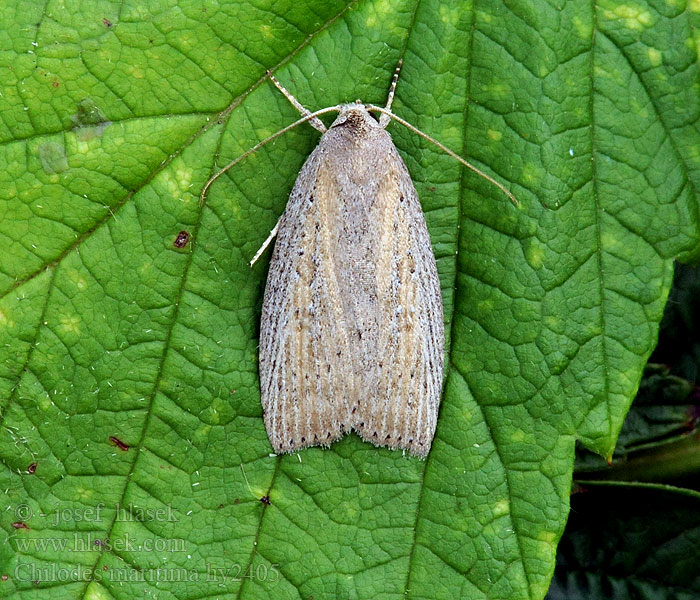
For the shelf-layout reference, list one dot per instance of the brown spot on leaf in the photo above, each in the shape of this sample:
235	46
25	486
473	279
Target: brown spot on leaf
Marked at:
118	443
181	240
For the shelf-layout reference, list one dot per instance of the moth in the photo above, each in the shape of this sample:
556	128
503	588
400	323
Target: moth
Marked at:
352	333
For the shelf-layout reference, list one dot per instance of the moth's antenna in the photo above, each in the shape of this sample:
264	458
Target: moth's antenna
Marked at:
304	119
315	122
385	118
442	147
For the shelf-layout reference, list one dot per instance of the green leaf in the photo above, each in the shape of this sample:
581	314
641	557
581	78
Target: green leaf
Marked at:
658	441
133	447
664	411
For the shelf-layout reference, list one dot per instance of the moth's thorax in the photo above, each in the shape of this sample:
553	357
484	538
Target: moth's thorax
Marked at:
356	149
356	120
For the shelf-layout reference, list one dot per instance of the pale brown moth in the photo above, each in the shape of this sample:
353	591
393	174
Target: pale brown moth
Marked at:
352	334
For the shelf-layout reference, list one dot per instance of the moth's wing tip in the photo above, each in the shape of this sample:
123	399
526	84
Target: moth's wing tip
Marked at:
418	448
323	440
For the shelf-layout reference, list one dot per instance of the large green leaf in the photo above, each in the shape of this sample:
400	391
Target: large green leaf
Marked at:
113	117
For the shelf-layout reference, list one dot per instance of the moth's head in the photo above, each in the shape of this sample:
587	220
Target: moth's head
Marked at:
356	117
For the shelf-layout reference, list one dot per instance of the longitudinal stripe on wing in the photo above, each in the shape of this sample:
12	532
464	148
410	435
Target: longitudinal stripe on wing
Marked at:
409	353
302	329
